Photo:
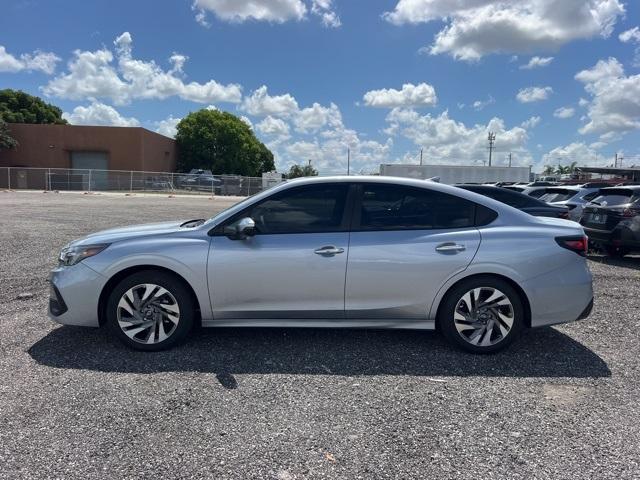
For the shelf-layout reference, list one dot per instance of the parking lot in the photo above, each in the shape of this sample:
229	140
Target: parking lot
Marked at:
288	404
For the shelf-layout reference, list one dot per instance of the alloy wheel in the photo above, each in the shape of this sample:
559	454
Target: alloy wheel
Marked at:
484	316
148	313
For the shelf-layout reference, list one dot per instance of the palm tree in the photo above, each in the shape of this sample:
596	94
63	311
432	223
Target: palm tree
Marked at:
548	170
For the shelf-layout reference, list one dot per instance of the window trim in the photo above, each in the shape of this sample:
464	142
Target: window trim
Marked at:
345	223
357	211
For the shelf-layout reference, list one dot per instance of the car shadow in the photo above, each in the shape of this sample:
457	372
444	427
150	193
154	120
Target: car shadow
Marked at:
624	262
226	351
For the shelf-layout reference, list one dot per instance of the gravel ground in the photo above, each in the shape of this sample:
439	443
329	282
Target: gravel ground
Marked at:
288	404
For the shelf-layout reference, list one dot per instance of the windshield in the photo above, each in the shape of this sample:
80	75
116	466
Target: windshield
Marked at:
558	195
614	197
246	201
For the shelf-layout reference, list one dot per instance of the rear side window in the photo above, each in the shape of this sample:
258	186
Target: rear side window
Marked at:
507	197
613	197
307	209
396	207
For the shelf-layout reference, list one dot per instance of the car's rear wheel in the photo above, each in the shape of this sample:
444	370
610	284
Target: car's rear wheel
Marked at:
150	311
483	314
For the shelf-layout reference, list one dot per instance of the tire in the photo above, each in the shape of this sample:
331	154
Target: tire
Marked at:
616	252
467	327
150	311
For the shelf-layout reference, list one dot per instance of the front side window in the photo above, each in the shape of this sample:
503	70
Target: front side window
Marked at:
396	207
306	209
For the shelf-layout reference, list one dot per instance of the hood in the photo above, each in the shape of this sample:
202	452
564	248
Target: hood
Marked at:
131	232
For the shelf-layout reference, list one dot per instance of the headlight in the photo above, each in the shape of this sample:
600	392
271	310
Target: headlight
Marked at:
72	255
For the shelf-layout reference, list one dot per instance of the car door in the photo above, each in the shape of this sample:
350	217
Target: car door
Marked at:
294	266
405	243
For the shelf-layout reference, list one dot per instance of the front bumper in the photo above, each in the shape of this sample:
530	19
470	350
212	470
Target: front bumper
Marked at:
74	295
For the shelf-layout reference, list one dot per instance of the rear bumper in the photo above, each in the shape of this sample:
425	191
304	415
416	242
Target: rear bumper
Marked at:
561	296
74	295
621	236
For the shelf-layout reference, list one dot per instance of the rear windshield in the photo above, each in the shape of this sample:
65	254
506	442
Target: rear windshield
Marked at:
515	189
557	195
615	196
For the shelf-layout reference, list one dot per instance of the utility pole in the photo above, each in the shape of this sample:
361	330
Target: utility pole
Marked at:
348	161
509	158
421	156
615	161
492	140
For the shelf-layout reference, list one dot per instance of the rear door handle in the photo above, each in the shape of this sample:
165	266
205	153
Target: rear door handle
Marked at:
450	247
328	251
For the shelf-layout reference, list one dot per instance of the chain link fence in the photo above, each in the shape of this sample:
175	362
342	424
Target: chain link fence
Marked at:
90	180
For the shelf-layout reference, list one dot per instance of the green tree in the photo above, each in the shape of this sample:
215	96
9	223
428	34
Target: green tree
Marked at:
220	142
549	170
19	107
302	171
6	140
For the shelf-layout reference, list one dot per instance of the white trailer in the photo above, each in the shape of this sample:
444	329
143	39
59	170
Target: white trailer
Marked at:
452	174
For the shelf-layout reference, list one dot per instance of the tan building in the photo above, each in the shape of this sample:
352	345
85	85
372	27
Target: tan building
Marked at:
88	147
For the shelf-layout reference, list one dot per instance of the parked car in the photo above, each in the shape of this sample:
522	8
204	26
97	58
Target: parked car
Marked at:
206	183
573	197
520	201
373	252
612	220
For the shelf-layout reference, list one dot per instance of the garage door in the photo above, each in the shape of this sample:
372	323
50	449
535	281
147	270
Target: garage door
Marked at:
92	161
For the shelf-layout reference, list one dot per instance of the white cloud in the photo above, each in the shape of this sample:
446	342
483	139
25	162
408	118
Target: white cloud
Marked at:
632	36
324	10
315	117
168	126
537	62
99	114
41	61
92	75
481	104
533	94
421	95
446	140
564	112
275	11
575	152
583	102
615	100
274	127
531	122
475	28
261	104
238	11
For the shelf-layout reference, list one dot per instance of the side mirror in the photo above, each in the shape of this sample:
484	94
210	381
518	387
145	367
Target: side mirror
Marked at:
242	229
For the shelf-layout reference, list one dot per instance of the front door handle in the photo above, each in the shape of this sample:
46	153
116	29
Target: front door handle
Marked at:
328	251
450	247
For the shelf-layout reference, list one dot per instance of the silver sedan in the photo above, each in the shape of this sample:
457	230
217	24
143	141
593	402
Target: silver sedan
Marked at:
358	252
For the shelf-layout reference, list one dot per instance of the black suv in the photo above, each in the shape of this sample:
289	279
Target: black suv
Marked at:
612	220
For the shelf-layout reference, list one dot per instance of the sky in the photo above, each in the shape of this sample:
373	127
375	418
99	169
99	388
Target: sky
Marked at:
557	81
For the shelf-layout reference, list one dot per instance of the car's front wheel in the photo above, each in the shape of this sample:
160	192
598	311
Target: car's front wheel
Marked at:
482	315
150	311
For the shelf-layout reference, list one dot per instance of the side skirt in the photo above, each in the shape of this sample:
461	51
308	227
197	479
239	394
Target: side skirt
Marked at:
322	323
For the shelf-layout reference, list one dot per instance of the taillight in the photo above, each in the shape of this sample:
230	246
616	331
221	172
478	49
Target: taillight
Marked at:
579	245
564	215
